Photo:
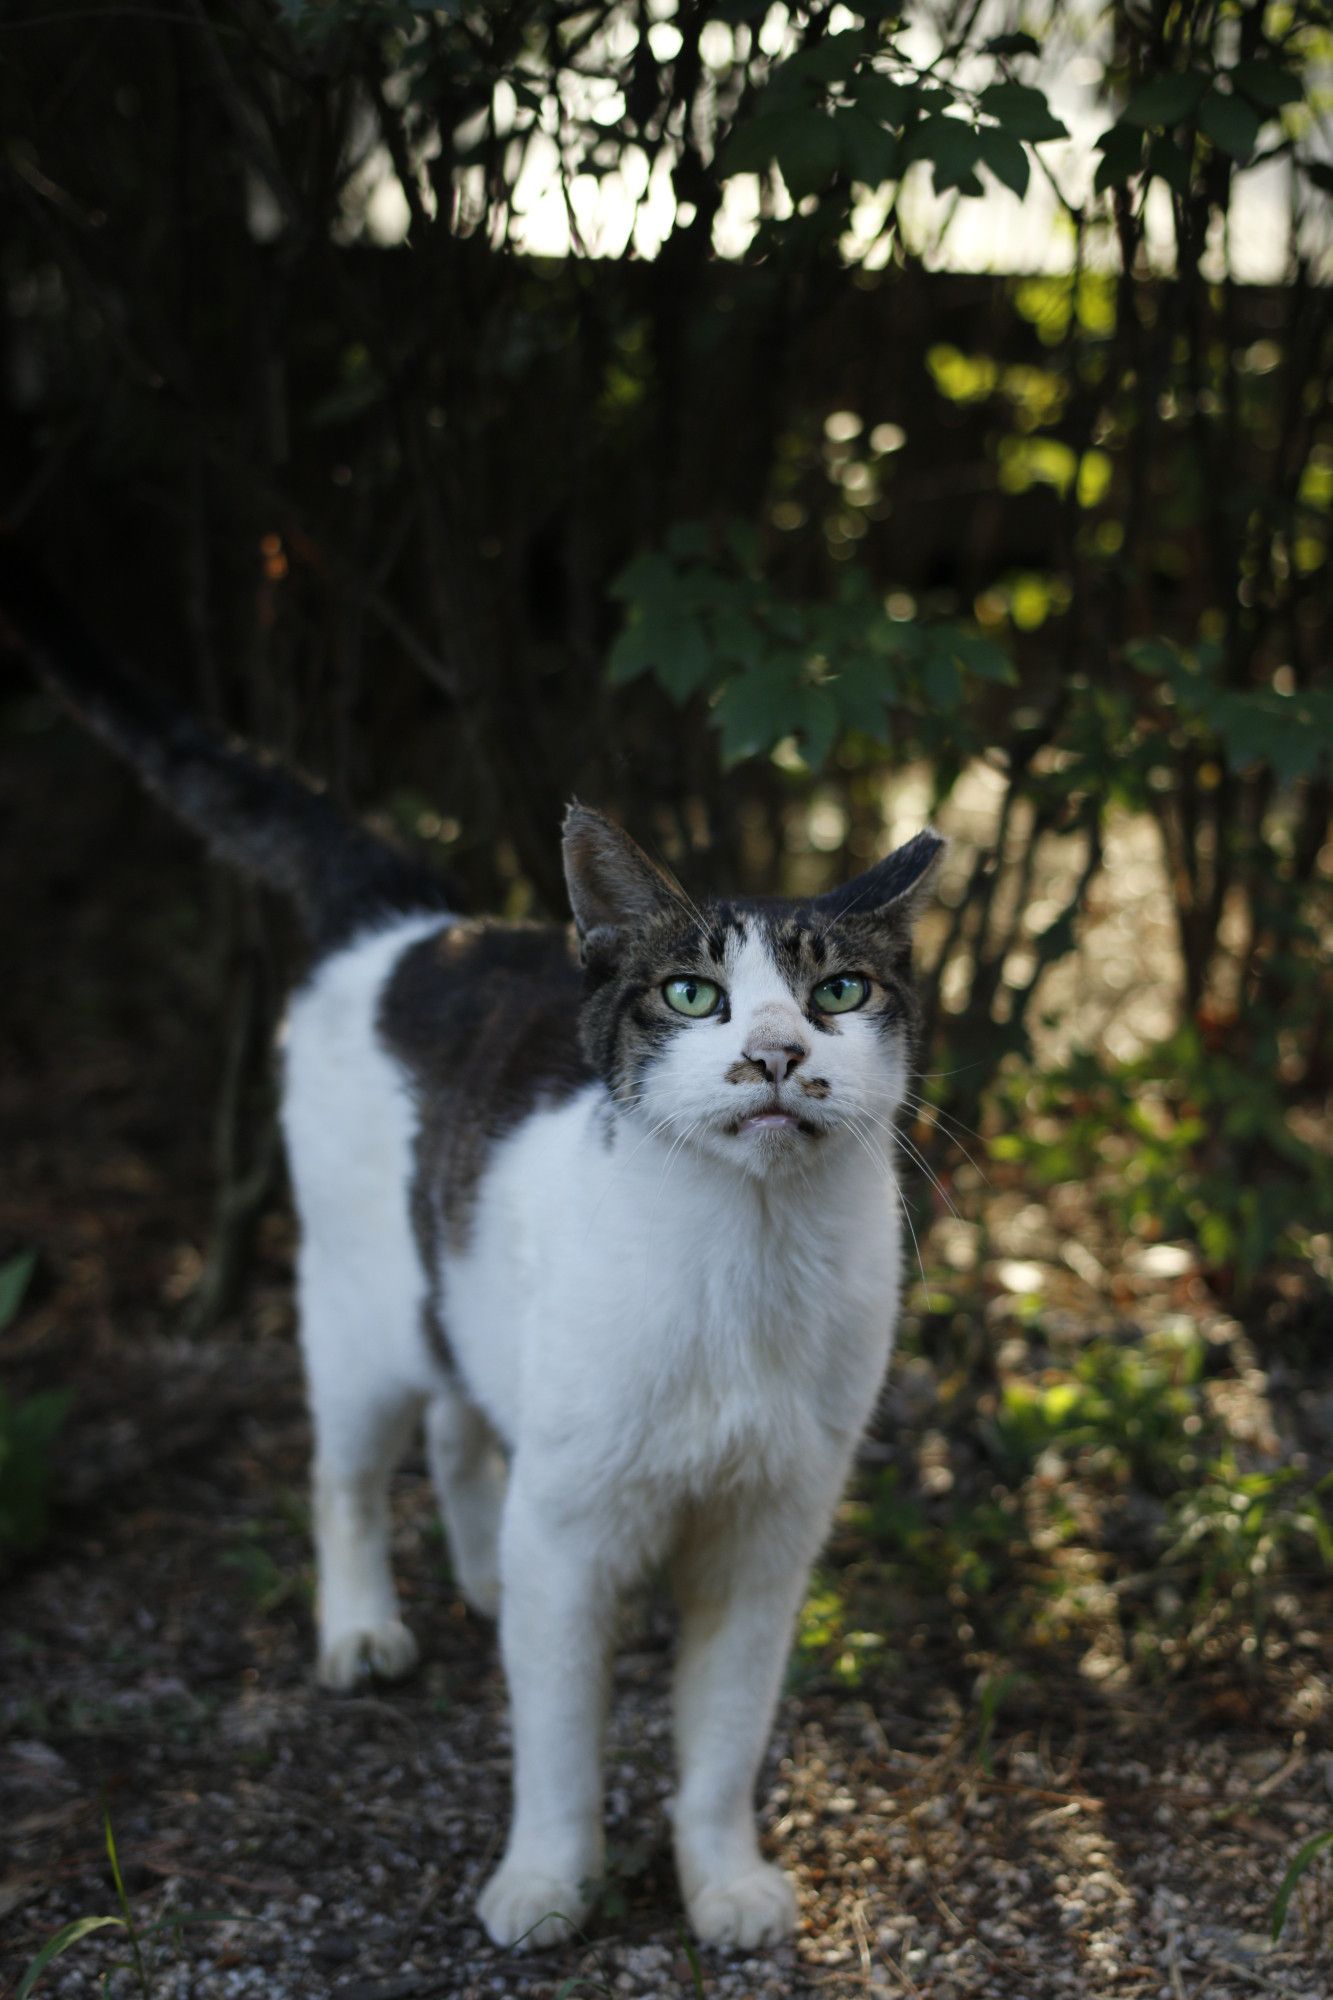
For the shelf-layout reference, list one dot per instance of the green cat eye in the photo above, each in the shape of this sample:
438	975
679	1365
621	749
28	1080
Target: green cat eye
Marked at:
840	994
695	997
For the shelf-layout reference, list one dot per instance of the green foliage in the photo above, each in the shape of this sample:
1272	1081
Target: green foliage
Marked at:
853	106
29	1426
702	621
1113	1503
1237	1530
1188	1141
1130	1412
1289	731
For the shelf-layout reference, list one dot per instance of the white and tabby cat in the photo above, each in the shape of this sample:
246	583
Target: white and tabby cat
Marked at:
614	1213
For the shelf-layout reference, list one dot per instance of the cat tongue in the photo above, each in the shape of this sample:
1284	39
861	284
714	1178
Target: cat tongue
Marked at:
768	1121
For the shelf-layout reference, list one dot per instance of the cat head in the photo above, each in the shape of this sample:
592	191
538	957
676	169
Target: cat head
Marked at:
754	1030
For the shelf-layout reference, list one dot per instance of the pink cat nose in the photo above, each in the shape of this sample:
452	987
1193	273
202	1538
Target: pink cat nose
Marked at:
779	1062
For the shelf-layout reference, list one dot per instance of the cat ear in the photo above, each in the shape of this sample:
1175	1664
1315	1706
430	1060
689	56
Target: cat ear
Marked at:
612	883
894	886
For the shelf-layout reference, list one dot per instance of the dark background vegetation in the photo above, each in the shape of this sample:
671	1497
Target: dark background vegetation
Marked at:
774	555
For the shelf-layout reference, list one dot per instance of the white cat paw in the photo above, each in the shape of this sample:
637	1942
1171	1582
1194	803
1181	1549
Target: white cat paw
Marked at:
386	1651
755	1908
523	1908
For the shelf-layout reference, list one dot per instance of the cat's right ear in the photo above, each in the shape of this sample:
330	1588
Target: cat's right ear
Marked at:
613	886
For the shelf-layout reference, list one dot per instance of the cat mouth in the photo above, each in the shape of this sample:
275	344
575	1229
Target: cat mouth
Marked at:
774	1118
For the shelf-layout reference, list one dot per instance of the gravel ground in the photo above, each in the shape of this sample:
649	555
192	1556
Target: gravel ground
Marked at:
158	1660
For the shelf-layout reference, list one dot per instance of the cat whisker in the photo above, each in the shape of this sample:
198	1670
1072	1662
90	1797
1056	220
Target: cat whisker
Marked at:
921	1106
854	1127
913	1152
924	1104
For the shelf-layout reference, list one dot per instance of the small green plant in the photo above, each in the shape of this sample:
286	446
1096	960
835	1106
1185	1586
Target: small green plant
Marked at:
28	1428
141	1938
1302	1861
1132	1413
992	1693
1197	1134
1235	1534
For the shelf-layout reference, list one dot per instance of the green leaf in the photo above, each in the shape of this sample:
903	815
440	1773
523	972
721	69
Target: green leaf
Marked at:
831	60
1230	123
803	141
869	153
737	637
1267	84
648	580
1166	160
1011	45
743	541
69	1934
1165	100
941	680
816	719
633	653
808	154
1004	156
683	657
752	712
1122	155
1303	1859
1022	111
14	1276
880	97
979	655
862	689
755	145
952	147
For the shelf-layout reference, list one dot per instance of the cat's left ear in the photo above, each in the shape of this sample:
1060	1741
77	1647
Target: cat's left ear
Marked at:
894	887
612	883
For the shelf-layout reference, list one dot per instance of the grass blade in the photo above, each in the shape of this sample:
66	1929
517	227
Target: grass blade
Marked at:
692	1960
69	1934
131	1929
1301	1860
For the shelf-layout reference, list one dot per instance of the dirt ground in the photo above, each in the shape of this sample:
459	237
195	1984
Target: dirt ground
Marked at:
154	1656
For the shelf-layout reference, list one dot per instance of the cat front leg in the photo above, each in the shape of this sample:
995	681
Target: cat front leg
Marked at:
357	1446
739	1583
557	1608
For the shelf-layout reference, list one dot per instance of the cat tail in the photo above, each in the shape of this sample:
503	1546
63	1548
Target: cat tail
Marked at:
261	818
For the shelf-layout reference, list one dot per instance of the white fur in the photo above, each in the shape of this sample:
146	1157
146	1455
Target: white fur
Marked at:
678	1340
